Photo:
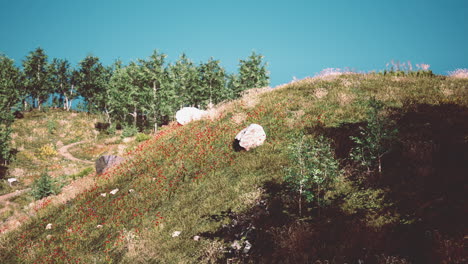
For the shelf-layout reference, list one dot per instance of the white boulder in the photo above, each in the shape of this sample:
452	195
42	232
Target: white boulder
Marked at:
251	137
12	181
189	114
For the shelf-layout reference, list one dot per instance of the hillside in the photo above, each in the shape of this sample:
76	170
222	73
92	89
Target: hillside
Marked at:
190	179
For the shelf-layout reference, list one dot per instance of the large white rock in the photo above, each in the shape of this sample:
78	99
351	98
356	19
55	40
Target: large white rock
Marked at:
251	137
188	114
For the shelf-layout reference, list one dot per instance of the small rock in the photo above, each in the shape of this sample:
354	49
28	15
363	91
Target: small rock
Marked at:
176	233
236	245
103	194
131	190
49	226
49	237
196	238
247	247
12	181
99	226
114	191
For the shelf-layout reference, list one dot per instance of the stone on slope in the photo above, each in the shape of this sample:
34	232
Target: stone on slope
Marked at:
189	114
105	162
250	137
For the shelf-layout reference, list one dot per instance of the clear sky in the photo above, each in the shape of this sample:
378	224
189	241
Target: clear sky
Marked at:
297	38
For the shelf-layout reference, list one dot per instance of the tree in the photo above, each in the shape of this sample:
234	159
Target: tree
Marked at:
92	81
36	73
212	84
10	86
252	73
313	168
184	78
375	140
61	76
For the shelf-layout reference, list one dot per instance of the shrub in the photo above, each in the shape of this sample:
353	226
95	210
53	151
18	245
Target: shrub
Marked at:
51	126
111	129
142	137
44	186
313	168
129	131
375	140
47	151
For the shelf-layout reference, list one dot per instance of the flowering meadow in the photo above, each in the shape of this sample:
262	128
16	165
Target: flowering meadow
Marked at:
177	180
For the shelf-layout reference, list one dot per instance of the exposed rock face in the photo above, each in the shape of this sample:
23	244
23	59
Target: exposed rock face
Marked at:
250	137
105	162
188	114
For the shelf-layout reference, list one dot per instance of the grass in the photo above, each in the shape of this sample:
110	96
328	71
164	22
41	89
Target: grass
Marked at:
190	179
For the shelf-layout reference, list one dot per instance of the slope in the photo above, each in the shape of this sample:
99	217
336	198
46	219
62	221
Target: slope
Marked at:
190	179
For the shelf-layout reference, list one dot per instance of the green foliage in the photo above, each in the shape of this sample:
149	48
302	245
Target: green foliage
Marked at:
112	129
313	168
375	140
212	84
44	186
82	173
10	85
142	137
62	81
252	73
92	79
36	71
129	131
51	126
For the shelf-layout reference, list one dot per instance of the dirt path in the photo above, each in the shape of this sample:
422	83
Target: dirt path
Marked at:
7	196
64	152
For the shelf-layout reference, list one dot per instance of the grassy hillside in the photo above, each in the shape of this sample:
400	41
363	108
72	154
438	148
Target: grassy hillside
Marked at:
190	179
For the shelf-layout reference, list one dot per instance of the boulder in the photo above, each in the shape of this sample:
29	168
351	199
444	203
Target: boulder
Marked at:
12	181
105	162
189	114
250	137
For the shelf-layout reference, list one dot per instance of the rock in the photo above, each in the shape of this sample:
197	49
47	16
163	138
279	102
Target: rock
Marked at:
99	226
236	245
196	238
12	181
176	233
247	247
49	226
103	194
188	114
114	191
105	162
250	137
131	190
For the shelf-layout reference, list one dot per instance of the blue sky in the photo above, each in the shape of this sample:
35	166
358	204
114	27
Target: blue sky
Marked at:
297	38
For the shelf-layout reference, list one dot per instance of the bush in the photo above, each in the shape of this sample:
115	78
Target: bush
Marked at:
111	129
142	137
47	151
313	169
129	131
44	186
375	140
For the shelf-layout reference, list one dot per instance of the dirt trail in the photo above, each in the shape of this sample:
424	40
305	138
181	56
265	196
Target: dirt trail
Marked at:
8	196
64	152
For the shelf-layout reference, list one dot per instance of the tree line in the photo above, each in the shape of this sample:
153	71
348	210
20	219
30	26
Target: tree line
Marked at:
145	93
